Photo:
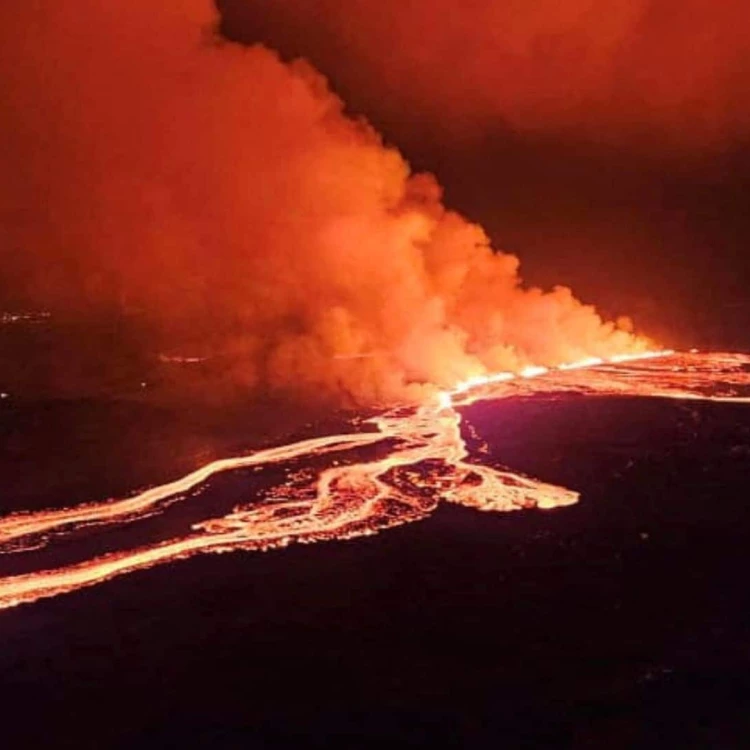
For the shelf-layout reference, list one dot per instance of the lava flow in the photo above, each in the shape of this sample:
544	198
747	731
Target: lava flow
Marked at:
425	461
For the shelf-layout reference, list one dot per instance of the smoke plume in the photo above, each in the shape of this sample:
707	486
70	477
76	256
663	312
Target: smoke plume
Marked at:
222	196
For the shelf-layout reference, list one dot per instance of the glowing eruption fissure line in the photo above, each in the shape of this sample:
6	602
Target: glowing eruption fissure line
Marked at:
425	463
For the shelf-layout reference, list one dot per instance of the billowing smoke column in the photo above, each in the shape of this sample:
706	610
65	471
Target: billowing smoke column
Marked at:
224	196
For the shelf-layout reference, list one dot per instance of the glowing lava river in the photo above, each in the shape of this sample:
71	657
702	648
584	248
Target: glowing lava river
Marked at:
420	460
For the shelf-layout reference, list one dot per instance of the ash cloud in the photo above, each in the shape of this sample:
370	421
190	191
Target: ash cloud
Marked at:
223	197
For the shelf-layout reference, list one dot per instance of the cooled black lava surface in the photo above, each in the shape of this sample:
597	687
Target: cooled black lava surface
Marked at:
623	621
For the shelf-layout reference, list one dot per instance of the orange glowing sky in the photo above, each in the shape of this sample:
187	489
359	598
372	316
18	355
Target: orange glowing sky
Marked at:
670	69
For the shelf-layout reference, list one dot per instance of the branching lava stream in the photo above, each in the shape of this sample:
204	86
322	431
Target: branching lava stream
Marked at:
427	464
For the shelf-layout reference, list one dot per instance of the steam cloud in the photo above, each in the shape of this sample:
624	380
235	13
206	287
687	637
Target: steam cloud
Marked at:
224	196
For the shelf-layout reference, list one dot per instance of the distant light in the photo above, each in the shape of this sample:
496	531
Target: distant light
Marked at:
23	317
179	359
4	395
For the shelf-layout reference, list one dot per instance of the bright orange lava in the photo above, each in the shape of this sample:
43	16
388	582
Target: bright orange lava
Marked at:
426	463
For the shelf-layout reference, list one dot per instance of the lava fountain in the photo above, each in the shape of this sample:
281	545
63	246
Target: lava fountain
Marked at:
423	461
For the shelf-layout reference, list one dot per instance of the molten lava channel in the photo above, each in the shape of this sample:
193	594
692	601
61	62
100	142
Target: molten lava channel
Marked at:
426	462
